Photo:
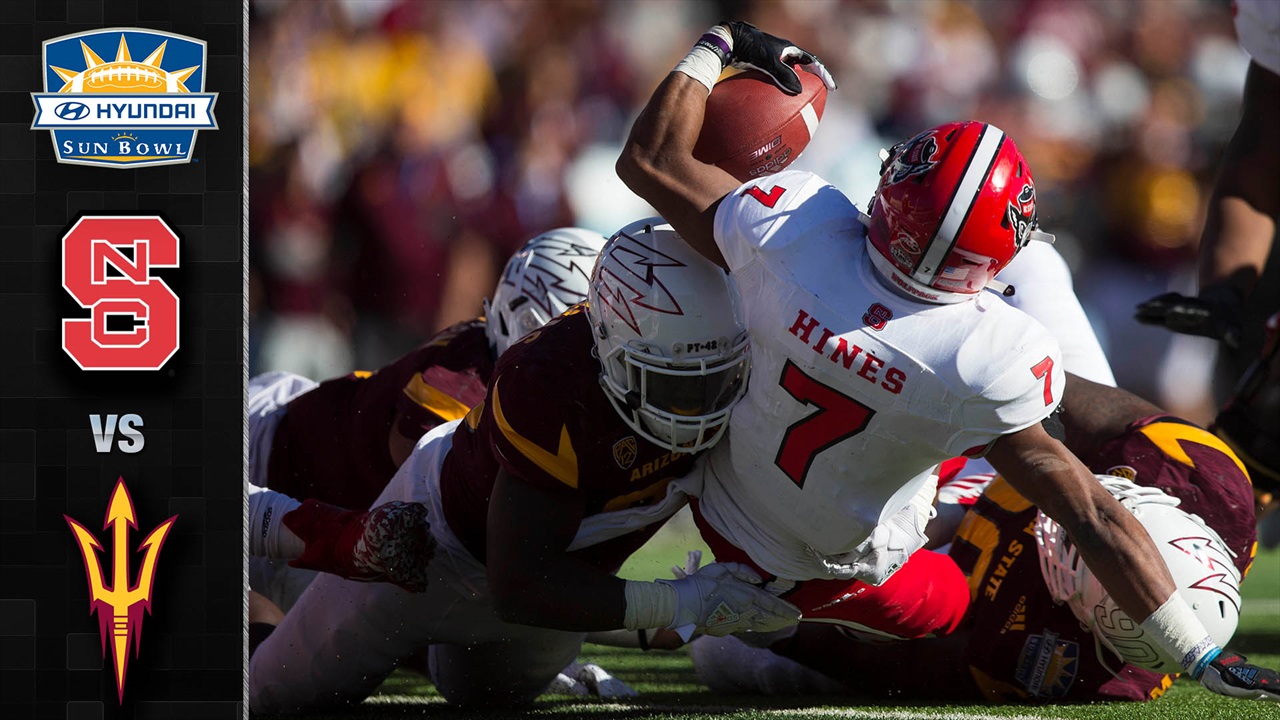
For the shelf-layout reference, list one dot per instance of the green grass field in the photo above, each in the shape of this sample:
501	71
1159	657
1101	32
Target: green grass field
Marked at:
669	689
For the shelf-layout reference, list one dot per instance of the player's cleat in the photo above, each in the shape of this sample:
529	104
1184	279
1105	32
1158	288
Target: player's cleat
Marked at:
389	543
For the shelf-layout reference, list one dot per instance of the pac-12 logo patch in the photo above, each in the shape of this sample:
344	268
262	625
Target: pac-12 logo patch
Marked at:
124	97
107	264
625	451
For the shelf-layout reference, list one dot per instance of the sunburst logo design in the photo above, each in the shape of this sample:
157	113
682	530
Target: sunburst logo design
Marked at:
124	74
105	107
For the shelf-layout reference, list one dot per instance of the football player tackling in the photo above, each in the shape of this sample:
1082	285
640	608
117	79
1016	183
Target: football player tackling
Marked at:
537	496
335	445
877	355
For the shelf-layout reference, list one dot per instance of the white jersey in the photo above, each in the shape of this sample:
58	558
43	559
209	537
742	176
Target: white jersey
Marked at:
1258	29
856	392
1043	289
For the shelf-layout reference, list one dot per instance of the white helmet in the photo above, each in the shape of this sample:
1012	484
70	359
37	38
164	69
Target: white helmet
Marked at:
1197	558
543	279
669	334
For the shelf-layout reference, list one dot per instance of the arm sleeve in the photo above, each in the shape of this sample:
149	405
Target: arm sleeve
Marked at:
1024	392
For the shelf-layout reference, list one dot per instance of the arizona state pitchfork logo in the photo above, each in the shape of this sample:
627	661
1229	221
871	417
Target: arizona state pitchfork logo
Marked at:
120	605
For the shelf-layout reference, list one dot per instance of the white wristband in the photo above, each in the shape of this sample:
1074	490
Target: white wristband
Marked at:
708	57
649	605
1175	626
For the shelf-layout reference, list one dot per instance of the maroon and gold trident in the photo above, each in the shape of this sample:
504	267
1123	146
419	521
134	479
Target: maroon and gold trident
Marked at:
120	606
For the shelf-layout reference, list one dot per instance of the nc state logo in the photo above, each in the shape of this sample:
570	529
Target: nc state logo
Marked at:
916	157
877	316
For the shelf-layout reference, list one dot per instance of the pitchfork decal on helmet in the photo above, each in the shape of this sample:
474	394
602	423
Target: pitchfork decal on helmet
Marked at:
670	338
544	278
640	284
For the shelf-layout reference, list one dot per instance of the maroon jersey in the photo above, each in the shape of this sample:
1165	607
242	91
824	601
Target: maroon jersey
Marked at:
1026	647
547	422
332	444
1191	464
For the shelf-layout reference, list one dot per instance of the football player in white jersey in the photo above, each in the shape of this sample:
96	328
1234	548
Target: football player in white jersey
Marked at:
877	354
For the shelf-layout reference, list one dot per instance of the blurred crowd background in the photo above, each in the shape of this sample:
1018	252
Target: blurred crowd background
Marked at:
401	149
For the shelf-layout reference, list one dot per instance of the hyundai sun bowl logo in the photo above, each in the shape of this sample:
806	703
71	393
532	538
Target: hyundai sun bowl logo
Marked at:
103	107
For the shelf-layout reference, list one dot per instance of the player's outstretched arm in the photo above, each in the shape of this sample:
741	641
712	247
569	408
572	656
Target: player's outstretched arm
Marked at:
1121	554
1241	222
1110	540
534	581
1246	198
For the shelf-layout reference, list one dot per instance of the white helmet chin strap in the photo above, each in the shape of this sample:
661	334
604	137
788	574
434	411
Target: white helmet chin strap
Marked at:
1004	289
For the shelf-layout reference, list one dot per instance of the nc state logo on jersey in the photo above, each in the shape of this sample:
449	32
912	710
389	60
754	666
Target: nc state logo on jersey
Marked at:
877	316
1022	216
916	157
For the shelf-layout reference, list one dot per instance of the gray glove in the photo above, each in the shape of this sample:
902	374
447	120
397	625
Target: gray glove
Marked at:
589	680
724	598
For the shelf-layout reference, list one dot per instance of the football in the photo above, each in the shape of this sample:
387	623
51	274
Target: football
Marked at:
753	128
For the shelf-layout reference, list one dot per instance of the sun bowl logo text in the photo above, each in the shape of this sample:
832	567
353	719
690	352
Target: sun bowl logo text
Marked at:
104	107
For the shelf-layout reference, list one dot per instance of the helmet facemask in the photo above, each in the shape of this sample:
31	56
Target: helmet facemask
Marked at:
682	404
670	339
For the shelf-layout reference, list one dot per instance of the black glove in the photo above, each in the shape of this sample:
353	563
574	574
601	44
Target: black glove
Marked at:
1215	313
1231	674
773	56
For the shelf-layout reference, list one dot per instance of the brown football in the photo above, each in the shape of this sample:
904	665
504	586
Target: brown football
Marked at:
752	128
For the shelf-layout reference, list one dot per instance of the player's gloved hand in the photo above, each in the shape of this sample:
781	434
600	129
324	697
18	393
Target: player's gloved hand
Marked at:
1214	313
773	56
724	598
1231	674
692	561
589	680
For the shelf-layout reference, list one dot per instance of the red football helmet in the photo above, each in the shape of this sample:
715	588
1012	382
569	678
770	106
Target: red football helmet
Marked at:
953	207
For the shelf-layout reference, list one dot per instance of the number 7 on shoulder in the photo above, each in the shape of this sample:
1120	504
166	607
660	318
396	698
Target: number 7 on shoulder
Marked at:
1044	370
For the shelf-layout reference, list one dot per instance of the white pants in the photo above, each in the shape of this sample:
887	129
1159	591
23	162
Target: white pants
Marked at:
729	666
269	395
342	638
